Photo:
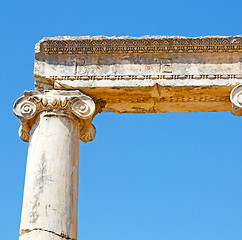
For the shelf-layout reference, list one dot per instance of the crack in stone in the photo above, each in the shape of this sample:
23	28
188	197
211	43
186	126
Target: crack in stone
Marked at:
62	235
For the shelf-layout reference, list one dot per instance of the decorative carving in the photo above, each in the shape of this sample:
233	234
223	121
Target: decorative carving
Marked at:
55	81
236	99
142	45
167	77
81	106
25	109
87	132
173	99
24	131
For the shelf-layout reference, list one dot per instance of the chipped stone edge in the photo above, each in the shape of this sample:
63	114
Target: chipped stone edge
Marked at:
102	37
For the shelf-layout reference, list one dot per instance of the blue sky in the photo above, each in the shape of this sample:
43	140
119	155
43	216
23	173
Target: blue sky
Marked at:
146	176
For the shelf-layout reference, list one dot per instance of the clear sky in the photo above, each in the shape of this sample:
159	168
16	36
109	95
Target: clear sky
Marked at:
146	176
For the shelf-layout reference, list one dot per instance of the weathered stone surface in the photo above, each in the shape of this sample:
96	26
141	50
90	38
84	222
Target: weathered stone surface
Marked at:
53	121
79	105
51	184
117	74
42	235
236	99
146	74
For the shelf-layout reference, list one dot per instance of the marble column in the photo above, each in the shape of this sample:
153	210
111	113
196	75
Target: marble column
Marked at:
52	122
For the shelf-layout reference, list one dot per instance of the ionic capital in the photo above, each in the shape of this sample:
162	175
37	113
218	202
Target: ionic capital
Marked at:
236	99
72	103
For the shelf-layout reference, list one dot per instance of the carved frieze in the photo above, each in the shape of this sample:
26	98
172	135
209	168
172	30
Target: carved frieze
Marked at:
149	77
80	106
142	45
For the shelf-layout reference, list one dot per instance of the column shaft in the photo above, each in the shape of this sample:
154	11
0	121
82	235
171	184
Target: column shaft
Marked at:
51	185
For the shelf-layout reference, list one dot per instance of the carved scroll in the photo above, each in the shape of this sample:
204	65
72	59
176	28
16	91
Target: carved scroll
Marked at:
236	99
81	106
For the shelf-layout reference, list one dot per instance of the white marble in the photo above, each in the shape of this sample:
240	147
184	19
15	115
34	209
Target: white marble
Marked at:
41	235
51	184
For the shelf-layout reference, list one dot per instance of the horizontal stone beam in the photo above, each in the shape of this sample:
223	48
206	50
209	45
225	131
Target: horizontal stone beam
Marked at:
146	74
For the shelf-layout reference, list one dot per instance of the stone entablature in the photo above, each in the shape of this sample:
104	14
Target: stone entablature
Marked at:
146	74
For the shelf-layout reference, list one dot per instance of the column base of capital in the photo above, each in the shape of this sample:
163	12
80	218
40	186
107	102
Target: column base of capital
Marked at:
43	235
